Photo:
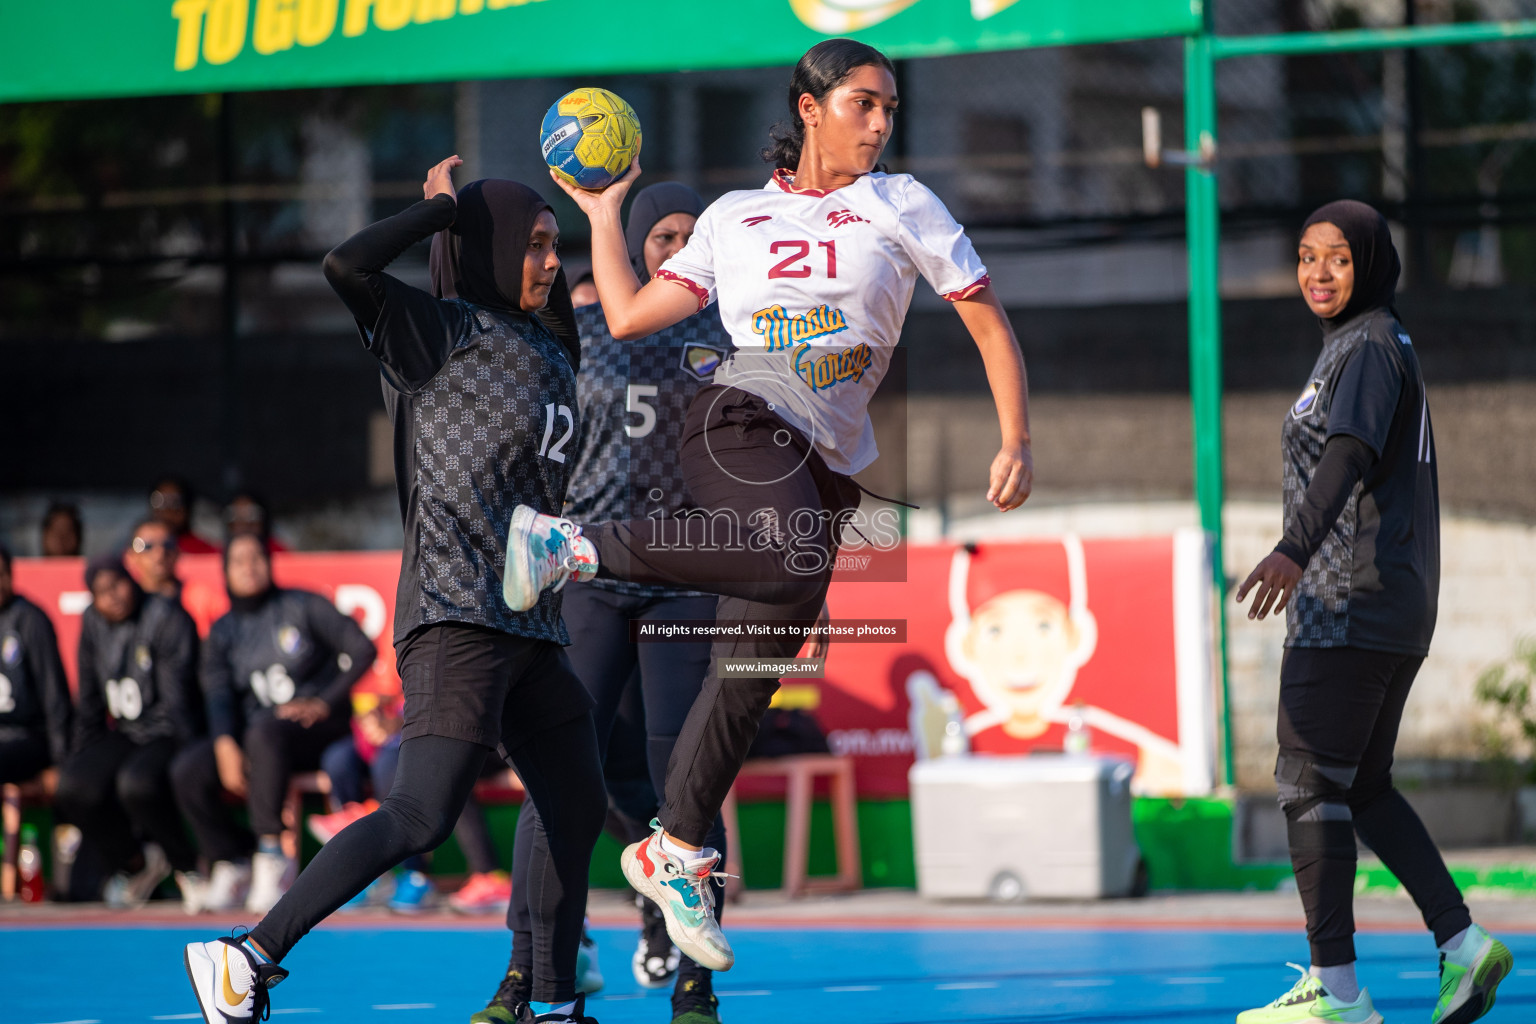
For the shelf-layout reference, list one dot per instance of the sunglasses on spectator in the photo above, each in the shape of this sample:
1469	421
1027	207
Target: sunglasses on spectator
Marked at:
140	545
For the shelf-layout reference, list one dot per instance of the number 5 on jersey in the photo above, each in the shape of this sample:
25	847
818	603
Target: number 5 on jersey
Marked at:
551	411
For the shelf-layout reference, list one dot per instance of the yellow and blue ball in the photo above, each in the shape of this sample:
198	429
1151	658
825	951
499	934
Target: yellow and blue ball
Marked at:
590	137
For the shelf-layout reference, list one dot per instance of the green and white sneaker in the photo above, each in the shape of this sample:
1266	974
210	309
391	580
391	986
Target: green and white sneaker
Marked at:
1470	976
543	552
510	1003
684	890
1309	1002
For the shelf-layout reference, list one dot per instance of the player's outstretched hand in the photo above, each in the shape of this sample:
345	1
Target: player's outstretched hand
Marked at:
1012	477
1276	577
610	198
440	179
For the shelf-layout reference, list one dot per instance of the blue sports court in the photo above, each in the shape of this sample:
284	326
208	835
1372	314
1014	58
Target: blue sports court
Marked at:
878	975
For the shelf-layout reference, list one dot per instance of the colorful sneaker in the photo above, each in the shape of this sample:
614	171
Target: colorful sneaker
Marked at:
1470	976
483	893
542	554
228	884
413	893
1308	1002
577	1015
230	982
656	959
684	892
589	977
271	875
510	1003
695	1002
325	826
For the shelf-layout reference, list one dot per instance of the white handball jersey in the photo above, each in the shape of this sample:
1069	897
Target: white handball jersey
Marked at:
813	287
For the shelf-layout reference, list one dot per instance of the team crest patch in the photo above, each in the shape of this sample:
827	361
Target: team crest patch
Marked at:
10	650
142	659
701	360
1307	400
289	639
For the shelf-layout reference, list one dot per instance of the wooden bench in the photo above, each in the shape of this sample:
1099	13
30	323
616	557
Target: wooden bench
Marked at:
800	772
13	797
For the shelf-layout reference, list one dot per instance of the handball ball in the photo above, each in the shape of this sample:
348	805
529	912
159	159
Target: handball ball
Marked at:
589	137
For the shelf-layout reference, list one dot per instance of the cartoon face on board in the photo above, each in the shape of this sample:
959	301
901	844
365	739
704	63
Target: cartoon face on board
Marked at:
1021	655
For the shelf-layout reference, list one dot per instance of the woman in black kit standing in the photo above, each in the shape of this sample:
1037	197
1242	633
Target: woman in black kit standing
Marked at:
1358	574
474	385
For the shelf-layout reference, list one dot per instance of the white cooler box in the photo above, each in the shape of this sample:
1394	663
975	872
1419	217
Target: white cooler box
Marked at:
1043	826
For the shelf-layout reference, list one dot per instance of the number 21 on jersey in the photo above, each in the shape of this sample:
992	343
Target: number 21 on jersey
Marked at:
796	258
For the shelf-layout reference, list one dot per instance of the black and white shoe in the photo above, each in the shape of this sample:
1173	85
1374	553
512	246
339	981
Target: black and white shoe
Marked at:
230	981
655	961
577	1015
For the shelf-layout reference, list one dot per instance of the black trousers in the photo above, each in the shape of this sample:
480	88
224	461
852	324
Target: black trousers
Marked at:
23	754
1340	709
767	543
119	792
606	661
275	749
452	674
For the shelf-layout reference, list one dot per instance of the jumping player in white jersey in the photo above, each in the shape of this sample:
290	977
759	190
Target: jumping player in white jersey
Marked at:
813	274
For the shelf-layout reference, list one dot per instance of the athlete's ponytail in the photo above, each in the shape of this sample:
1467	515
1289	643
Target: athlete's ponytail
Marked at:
824	67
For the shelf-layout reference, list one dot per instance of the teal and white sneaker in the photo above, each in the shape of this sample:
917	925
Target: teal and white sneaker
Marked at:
230	981
1309	1002
684	892
589	976
543	552
1470	976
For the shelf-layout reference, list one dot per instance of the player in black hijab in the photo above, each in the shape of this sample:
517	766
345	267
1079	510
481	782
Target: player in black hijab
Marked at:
478	381
1358	574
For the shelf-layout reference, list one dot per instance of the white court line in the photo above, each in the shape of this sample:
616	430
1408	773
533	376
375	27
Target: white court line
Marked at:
405	1006
297	1009
957	986
81	1021
1082	982
747	992
1526	972
1193	981
852	988
1412	975
178	1016
617	999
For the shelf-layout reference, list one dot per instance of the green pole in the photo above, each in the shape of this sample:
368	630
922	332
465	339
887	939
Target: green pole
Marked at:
1203	228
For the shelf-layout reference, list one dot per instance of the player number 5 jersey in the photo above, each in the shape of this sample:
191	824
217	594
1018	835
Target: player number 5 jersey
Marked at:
813	288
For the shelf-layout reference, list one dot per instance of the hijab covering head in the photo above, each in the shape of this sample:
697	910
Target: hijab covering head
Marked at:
250	602
651	205
480	257
1370	247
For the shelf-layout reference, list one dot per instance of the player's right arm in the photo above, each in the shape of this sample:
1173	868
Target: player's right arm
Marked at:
632	311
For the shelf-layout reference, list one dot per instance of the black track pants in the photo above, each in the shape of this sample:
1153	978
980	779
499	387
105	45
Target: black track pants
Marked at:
1339	714
119	792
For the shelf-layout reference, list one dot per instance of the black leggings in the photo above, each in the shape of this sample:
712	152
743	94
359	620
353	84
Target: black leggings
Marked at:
605	659
118	792
1339	713
436	775
23	754
767	545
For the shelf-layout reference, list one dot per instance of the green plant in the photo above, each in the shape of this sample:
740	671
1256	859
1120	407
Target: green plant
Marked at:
1510	687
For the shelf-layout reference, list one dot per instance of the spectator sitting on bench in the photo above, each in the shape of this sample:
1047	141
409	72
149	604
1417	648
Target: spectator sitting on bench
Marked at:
35	711
277	673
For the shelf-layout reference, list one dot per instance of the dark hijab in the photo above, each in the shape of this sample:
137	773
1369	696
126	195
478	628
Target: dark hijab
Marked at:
1375	257
651	205
480	257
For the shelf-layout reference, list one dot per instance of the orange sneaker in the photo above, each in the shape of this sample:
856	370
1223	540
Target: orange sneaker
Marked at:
483	893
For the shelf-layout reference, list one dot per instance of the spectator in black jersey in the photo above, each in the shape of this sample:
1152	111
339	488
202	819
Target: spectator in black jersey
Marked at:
480	385
137	705
626	467
1358	574
171	501
35	712
247	514
277	675
151	557
61	531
